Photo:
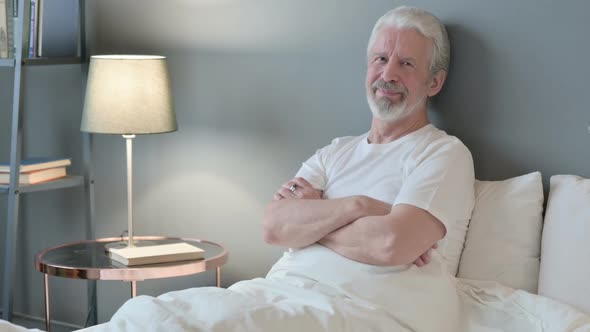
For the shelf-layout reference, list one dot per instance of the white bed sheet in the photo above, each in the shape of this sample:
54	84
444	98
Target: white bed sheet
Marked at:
342	295
9	327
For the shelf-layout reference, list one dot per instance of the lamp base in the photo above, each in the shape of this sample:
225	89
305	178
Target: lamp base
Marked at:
125	244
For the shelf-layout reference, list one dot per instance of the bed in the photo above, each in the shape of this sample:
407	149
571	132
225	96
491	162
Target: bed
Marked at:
495	288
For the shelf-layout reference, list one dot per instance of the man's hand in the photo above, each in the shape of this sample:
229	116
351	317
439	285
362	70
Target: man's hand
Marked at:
425	257
297	188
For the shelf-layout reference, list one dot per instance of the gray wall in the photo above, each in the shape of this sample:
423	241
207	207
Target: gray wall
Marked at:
259	85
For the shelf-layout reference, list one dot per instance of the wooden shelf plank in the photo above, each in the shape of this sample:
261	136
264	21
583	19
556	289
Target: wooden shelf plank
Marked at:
6	62
43	61
52	61
67	182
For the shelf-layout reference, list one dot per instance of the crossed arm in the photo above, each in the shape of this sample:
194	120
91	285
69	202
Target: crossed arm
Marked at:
358	227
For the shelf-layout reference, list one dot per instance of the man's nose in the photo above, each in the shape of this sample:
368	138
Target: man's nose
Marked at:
390	72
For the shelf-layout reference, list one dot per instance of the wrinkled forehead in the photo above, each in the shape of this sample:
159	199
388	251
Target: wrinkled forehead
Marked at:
402	41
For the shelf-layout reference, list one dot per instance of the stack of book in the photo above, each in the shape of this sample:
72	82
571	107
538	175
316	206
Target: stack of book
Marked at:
36	170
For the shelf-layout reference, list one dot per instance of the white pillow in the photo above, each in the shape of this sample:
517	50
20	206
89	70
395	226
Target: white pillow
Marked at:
565	256
504	236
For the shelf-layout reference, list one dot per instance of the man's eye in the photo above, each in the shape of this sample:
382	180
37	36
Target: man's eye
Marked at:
407	64
380	59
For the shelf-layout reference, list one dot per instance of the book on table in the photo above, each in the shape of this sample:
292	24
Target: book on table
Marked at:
36	176
163	253
35	164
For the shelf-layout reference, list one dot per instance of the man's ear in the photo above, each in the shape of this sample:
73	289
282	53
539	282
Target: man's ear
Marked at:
436	82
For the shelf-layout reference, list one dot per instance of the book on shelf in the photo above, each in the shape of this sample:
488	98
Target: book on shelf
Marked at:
11	24
39	25
26	18
51	28
38	163
33	28
36	176
163	253
3	30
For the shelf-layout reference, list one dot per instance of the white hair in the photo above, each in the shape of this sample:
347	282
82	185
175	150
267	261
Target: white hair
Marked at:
427	24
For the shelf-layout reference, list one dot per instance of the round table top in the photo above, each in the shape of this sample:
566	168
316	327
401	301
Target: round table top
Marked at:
89	260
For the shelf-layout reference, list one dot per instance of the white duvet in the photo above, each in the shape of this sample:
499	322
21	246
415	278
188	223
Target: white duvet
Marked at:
315	289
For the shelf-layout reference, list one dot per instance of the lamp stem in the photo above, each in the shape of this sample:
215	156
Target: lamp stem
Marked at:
129	140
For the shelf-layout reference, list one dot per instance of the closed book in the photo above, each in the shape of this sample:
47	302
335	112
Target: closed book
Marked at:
3	29
39	25
36	176
163	253
33	31
35	164
26	17
10	24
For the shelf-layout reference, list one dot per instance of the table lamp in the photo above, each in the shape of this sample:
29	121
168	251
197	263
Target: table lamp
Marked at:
128	95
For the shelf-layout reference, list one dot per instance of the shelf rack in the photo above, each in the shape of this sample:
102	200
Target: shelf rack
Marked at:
13	190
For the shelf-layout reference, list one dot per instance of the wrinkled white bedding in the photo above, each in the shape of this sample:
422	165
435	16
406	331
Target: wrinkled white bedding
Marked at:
317	290
9	327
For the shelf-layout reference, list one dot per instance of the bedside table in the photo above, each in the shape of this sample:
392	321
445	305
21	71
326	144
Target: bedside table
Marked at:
89	260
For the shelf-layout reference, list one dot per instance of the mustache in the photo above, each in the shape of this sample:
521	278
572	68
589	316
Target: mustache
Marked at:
389	86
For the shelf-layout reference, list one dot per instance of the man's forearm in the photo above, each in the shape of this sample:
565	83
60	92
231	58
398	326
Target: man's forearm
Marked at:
397	238
298	223
367	240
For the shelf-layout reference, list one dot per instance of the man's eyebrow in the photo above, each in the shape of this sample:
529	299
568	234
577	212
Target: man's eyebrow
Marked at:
374	54
408	58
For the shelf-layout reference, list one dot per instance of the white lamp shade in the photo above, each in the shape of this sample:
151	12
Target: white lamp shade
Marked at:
128	94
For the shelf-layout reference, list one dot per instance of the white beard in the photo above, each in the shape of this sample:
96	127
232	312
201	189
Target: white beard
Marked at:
384	109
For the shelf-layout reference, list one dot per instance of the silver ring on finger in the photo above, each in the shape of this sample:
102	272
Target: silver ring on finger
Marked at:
293	188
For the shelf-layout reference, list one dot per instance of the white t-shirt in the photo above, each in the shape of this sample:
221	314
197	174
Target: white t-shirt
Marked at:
426	168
